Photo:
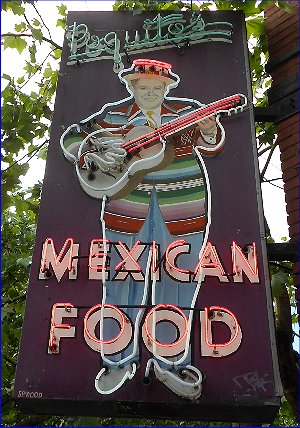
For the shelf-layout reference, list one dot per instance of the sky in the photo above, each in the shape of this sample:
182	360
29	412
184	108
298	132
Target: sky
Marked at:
273	194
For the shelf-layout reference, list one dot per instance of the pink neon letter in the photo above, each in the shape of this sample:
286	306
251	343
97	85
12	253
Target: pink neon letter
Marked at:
241	264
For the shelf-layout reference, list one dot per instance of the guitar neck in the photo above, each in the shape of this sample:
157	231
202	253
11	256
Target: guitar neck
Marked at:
224	106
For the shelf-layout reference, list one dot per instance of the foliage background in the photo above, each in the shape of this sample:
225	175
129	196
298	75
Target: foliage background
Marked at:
26	125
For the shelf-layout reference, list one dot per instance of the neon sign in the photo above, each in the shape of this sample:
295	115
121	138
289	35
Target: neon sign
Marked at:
160	313
147	267
209	264
159	33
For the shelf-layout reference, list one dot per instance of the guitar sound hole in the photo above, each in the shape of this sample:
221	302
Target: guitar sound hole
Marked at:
91	176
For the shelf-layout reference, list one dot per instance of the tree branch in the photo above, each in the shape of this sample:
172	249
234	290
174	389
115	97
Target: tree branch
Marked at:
270	182
34	151
39	69
30	35
264	150
16	299
41	18
272	179
268	161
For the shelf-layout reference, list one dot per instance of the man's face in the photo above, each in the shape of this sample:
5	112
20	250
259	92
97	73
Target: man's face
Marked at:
148	93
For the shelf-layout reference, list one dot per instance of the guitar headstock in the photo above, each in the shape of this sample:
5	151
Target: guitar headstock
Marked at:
241	101
236	104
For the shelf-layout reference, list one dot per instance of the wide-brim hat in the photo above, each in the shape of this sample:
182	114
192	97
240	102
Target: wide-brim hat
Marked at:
149	69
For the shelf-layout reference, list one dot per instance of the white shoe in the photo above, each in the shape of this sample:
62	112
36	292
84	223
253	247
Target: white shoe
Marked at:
186	383
110	380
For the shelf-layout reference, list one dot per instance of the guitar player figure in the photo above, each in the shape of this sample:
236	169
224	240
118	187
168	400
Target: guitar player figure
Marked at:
141	157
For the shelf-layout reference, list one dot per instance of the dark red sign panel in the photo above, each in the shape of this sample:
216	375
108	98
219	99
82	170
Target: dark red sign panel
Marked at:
149	292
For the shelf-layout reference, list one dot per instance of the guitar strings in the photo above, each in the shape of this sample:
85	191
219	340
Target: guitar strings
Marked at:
162	134
192	115
184	121
180	120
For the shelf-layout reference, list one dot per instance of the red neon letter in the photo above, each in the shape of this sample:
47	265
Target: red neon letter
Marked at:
165	306
129	255
218	313
100	242
129	264
95	271
209	264
59	311
241	264
101	341
61	262
172	252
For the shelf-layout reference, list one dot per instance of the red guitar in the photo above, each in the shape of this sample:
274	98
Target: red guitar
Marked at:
114	167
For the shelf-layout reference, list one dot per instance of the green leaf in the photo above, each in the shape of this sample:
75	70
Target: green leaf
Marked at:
61	23
56	54
14	6
20	80
6	76
37	34
278	282
295	318
42	154
168	6
255	26
88	421
62	10
32	51
14	42
249	8
204	6
20	27
25	262
285	6
48	71
6	311
36	22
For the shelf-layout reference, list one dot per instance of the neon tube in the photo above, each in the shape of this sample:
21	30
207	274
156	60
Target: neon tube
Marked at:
53	325
185	120
235	247
104	254
56	258
171	131
175	244
129	255
177	121
93	338
152	62
221	345
218	265
165	306
209	107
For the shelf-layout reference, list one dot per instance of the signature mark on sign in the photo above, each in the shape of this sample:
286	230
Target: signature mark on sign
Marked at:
29	394
251	381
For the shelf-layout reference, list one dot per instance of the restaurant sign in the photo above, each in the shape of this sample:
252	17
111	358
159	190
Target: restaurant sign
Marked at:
149	292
